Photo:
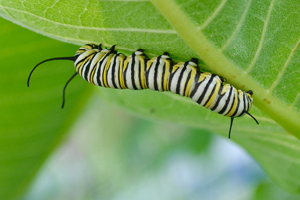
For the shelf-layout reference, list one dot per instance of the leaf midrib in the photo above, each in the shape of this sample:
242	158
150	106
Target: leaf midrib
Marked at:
220	64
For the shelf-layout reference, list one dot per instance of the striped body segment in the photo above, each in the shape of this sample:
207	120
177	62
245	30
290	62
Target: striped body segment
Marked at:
107	68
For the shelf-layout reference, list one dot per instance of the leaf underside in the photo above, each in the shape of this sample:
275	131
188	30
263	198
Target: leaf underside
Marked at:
253	44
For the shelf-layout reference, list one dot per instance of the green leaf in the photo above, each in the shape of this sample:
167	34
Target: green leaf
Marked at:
31	120
253	44
267	190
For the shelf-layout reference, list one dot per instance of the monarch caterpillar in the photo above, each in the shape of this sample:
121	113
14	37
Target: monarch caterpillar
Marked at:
107	68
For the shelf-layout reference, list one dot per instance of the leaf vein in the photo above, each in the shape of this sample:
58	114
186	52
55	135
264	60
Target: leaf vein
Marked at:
238	27
286	64
278	139
94	28
295	101
262	38
214	14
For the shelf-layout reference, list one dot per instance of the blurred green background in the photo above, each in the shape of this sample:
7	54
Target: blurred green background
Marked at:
106	153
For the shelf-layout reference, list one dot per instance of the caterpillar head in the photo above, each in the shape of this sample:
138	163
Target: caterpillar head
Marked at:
250	99
250	102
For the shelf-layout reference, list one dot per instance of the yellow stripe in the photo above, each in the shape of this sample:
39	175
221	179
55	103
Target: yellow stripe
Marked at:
122	79
188	90
167	76
213	97
233	108
249	103
92	74
175	67
225	88
120	76
121	58
78	66
102	54
87	59
150	62
106	68
143	72
203	76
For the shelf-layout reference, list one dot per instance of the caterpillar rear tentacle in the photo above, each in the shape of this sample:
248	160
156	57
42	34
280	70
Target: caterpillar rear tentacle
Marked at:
107	68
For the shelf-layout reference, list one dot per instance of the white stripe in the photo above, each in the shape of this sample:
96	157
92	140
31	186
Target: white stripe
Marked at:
174	81
118	67
222	101
241	104
231	99
159	77
209	91
137	70
184	80
110	74
128	75
151	75
93	63
200	90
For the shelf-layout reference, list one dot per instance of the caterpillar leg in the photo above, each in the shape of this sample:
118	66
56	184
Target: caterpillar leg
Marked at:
112	48
231	122
222	79
250	92
195	60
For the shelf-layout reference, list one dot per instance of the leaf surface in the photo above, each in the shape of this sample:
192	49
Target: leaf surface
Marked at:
253	44
31	120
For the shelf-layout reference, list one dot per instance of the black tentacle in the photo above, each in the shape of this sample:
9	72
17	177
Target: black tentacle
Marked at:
59	58
64	90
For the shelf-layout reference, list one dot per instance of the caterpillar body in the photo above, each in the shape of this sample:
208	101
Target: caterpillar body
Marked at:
108	68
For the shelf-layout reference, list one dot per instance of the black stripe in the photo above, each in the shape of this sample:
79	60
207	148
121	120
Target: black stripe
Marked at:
124	75
76	57
244	101
91	45
147	75
80	61
99	73
163	77
104	69
186	82
83	66
87	68
233	100
205	89
220	96
172	75
121	76
145	70
113	70
238	105
196	79
249	100
155	73
91	77
212	92
145	60
227	102
132	71
140	73
180	78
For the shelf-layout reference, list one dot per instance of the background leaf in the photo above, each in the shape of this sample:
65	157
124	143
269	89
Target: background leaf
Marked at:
235	40
31	120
